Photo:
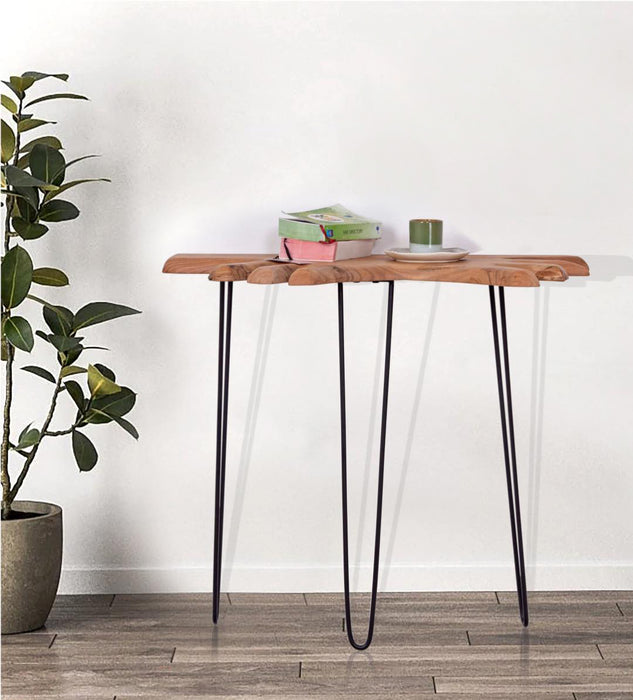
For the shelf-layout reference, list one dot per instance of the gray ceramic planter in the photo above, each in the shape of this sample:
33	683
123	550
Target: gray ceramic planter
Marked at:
31	565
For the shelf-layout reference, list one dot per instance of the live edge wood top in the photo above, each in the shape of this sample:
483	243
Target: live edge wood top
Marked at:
498	270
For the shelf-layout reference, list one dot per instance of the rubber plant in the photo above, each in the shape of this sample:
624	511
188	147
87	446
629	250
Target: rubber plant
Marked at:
35	175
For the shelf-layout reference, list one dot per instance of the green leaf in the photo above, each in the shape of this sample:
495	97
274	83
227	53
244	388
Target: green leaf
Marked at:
99	384
28	437
51	141
17	93
20	178
58	318
73	183
36	75
72	369
106	371
68	358
127	426
72	162
116	404
19	333
9	104
50	276
17	273
27	206
40	372
27	230
97	417
56	96
21	83
100	311
23	162
28	124
76	393
45	161
59	210
84	451
7	141
63	342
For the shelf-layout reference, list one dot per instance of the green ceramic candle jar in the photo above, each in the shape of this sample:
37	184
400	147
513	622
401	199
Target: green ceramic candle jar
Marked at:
425	235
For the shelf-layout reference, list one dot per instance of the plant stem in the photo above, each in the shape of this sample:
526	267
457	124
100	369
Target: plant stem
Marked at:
4	472
57	433
24	453
47	421
5	477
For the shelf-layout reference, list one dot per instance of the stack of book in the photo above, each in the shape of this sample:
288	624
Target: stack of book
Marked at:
325	235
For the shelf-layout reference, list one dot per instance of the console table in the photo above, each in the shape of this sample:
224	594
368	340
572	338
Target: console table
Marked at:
495	271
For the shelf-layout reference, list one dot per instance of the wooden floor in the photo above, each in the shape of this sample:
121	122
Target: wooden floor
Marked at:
456	645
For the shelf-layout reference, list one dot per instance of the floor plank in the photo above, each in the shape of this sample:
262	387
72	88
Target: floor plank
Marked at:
527	684
419	598
602	696
617	651
569	597
200	653
453	645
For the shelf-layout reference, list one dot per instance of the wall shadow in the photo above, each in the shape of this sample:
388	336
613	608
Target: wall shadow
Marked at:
250	425
371	432
540	321
404	469
603	268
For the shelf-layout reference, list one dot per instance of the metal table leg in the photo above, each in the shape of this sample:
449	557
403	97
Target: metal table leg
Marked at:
381	468
509	450
224	356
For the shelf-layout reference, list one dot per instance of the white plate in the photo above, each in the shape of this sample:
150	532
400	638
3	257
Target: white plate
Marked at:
437	256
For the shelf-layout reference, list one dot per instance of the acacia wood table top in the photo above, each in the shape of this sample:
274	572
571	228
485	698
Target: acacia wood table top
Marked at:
497	270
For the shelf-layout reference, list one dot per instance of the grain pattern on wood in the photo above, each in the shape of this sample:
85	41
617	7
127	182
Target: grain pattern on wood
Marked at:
600	696
501	270
223	679
238	271
350	694
160	601
33	640
445	655
203	263
61	696
268	599
359	665
413	599
164	646
379	268
276	274
617	651
563	598
514	686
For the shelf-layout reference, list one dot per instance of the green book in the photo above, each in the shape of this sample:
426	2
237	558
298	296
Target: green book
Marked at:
335	223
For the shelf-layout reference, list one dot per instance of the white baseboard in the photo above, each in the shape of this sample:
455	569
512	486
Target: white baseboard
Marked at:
427	577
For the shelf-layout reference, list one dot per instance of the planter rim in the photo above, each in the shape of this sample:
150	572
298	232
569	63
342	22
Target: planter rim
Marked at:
47	510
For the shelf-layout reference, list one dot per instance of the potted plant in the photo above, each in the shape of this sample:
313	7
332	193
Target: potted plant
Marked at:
35	175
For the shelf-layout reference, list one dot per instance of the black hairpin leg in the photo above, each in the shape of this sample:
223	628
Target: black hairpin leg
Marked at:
509	450
224	356
381	468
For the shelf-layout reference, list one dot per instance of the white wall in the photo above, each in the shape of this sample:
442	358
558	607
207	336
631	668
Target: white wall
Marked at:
511	122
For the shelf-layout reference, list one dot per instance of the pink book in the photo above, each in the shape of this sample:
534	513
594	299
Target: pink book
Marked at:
292	249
